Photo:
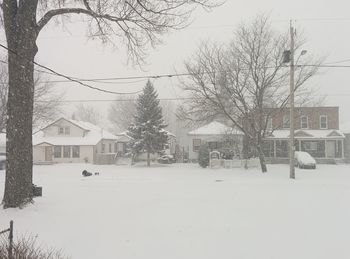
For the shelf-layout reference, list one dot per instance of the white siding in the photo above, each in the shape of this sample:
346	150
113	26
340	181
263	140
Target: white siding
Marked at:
52	130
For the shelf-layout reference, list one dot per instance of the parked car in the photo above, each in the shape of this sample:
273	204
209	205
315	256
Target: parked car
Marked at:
166	159
2	162
304	160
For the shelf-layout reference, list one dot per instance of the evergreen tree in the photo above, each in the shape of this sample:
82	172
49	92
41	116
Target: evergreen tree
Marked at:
147	131
203	155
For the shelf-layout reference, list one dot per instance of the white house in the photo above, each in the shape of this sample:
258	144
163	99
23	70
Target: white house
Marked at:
218	137
71	141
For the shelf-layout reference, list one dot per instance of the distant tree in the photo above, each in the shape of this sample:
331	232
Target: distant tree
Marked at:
46	103
87	113
121	111
203	155
240	81
147	131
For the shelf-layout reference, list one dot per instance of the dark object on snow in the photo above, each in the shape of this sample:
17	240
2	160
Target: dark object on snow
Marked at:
86	173
97	173
37	191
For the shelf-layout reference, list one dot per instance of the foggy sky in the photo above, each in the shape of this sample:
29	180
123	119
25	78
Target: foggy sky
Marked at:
326	24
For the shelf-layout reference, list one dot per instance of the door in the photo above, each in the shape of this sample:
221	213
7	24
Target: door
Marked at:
48	154
331	145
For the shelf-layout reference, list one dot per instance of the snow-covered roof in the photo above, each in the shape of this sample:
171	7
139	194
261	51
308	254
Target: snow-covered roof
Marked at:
308	134
215	128
93	135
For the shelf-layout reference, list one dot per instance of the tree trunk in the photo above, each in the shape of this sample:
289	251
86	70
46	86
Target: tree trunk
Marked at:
148	159
261	155
21	35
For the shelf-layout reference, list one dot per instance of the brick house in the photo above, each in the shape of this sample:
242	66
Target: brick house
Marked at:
316	132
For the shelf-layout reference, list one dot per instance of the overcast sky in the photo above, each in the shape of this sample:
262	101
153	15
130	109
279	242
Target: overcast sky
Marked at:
326	24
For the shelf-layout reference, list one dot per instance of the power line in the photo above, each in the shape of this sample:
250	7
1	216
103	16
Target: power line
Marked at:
167	99
67	77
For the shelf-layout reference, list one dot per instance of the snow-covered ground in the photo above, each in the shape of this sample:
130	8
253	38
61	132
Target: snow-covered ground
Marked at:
185	212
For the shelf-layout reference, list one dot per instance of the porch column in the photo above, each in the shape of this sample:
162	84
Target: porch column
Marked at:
274	148
325	149
343	151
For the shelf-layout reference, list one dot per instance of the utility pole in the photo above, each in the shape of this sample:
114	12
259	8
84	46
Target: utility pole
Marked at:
291	102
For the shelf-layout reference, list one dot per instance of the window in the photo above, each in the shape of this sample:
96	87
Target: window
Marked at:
315	148
304	122
66	151
66	130
75	151
269	148
57	151
120	147
282	148
110	148
196	144
286	123
323	122
60	131
103	148
214	145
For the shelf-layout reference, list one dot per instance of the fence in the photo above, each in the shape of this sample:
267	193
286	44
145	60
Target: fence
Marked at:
10	237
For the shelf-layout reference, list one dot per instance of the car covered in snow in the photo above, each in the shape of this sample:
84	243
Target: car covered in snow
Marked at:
166	159
304	160
2	162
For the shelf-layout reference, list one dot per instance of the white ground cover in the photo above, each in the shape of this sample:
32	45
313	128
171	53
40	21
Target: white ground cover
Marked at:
185	212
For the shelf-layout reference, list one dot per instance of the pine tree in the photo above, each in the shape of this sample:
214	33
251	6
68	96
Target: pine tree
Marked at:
147	131
203	155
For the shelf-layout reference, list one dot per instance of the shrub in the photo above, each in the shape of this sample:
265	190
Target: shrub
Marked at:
28	248
203	155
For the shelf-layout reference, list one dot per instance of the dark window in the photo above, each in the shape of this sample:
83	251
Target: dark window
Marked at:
60	130
282	147
315	148
103	148
304	122
323	122
196	144
286	123
75	151
57	151
214	145
110	148
66	151
269	148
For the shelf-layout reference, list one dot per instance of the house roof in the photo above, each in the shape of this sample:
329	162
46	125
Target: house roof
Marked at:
308	134
215	128
93	135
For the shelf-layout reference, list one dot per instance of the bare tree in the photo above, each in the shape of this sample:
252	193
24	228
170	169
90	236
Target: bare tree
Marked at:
240	81
46	102
121	113
137	23
87	113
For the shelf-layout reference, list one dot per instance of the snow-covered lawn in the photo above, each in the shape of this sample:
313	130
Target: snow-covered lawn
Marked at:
185	212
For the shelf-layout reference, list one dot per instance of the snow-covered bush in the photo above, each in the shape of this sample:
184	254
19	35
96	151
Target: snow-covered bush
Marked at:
203	155
28	248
